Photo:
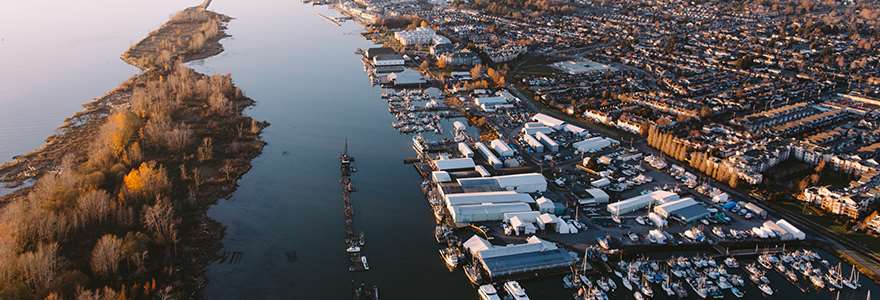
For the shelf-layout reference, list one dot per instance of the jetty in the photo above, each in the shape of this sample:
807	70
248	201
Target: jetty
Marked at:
353	241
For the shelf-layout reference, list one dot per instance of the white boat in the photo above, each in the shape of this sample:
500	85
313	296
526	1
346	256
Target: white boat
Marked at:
853	281
731	262
723	283
667	288
638	296
646	289
515	290
488	292
765	262
611	284
626	283
766	289
699	286
817	281
353	249
364	261
736	292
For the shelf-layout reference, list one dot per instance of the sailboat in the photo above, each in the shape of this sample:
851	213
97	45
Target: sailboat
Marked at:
853	280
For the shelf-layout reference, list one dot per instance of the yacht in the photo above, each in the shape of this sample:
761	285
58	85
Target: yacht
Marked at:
731	262
699	286
766	289
611	284
736	292
752	269
723	283
638	296
452	256
488	292
667	287
817	281
764	260
515	290
791	276
603	285
626	283
853	280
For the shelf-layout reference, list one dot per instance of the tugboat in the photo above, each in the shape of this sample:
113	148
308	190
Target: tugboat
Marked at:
452	256
473	274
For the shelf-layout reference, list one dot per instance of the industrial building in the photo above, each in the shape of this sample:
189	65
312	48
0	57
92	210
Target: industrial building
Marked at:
533	143
490	157
453	164
523	183
551	144
465	150
534	256
594	197
594	144
548	121
642	201
465	214
685	210
502	148
531	128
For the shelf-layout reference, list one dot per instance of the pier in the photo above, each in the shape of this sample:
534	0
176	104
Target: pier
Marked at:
353	240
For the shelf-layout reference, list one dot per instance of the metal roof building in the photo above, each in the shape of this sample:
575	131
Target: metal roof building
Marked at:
453	164
523	183
536	255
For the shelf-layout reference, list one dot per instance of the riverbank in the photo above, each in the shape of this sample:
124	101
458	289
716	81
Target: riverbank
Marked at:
186	141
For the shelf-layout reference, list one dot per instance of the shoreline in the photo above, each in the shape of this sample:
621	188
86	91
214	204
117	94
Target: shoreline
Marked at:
200	236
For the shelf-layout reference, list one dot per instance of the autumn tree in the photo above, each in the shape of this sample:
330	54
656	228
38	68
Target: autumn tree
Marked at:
160	220
107	255
147	181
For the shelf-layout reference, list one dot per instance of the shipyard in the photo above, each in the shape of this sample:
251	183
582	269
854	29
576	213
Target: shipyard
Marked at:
523	193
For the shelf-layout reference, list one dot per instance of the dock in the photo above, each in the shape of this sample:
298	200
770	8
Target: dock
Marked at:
354	242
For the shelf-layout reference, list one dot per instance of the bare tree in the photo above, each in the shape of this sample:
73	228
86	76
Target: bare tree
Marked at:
159	218
107	255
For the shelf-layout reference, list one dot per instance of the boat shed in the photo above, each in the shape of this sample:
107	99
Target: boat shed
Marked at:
465	214
594	144
523	183
475	244
490	157
551	144
536	255
575	130
596	197
453	164
533	143
487	197
465	150
780	232
502	148
441	176
639	202
548	121
406	78
545	205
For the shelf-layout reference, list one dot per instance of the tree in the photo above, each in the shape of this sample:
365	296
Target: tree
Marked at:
441	63
477	71
147	181
107	255
160	220
93	206
118	131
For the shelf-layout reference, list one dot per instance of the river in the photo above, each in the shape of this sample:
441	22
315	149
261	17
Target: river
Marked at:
286	216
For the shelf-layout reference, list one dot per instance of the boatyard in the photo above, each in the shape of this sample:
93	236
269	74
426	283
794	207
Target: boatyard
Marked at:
522	196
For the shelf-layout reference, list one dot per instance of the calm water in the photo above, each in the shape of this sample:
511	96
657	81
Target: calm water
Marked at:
57	55
307	82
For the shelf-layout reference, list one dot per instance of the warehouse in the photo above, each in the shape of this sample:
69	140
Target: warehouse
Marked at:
575	130
453	164
490	157
548	121
465	150
594	197
536	255
523	183
406	78
594	144
533	143
465	214
502	148
639	202
685	210
552	145
531	128
486	197
665	210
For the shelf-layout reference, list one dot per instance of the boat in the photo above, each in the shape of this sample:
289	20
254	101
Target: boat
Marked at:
853	281
567	281
667	287
626	283
752	269
699	286
638	296
736	280
723	283
488	292
736	292
731	262
353	249
473	274
611	284
817	281
440	233
780	268
764	261
766	289
754	278
680	290
515	290
364	261
452	256
791	276
603	285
